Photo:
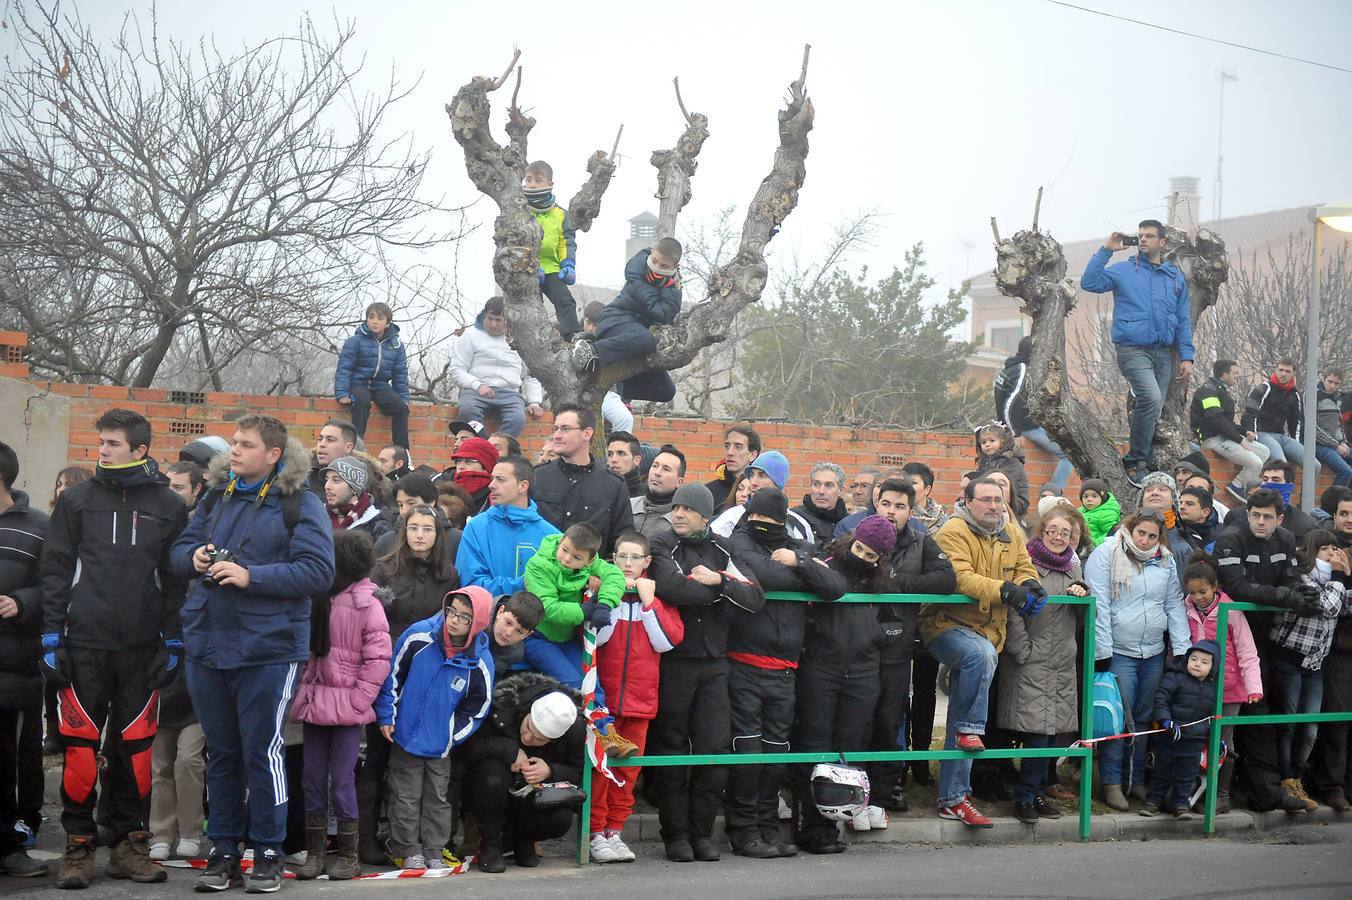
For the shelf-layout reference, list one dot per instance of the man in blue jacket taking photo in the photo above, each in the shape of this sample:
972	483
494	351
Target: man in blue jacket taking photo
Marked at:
1152	320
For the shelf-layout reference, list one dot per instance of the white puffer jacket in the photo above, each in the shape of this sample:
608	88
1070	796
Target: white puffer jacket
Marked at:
480	358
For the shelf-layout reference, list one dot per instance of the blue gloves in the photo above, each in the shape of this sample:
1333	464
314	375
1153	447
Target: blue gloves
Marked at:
1174	729
1027	599
55	664
164	667
568	272
540	275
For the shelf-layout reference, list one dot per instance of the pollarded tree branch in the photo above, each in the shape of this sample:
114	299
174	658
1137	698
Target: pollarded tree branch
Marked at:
586	203
675	168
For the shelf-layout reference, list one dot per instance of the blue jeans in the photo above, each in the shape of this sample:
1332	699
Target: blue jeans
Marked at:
1295	689
1039	438
1148	371
1282	447
1138	680
971	662
509	405
562	662
1337	463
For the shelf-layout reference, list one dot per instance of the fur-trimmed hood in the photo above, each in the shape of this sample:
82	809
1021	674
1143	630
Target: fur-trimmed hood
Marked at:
514	692
291	479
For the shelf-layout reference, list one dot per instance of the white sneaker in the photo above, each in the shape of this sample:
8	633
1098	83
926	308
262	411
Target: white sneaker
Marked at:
159	851
435	861
602	851
784	811
877	818
188	848
860	822
622	851
293	859
416	861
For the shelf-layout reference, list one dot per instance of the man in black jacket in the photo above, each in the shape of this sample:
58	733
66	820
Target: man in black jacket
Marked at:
694	572
1212	417
741	446
1256	559
823	506
763	651
1275	412
1011	408
574	487
22	532
533	735
111	637
918	567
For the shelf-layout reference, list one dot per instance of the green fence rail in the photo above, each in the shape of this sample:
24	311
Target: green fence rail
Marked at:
1083	753
1219	719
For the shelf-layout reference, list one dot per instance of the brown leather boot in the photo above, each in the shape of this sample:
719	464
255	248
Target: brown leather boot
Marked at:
316	836
343	864
131	859
77	865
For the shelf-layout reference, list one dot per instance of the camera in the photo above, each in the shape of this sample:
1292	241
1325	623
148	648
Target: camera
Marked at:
1130	240
219	554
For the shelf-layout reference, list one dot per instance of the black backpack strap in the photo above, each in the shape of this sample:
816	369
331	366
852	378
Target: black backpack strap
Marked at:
291	510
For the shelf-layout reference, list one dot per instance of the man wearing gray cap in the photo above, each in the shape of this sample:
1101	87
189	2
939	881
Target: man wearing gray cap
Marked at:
693	570
349	503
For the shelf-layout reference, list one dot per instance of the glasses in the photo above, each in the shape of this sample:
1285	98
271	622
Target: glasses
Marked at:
1065	533
629	557
462	618
564	429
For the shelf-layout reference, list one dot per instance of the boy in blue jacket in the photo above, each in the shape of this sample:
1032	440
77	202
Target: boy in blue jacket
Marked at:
372	366
651	296
1186	695
1152	319
437	694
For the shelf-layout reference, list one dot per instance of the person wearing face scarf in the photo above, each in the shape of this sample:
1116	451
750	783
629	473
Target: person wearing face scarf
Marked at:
349	503
474	461
436	696
763	654
558	245
838	672
651	296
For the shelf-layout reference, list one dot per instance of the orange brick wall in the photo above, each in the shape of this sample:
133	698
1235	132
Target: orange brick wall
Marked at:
949	454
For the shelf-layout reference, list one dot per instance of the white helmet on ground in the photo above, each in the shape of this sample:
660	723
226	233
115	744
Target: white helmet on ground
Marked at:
840	792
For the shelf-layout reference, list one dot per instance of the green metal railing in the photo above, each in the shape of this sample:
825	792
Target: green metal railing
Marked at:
1219	719
1083	753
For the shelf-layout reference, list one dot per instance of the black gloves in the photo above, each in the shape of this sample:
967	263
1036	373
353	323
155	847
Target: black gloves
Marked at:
595	614
165	664
1027	599
1302	600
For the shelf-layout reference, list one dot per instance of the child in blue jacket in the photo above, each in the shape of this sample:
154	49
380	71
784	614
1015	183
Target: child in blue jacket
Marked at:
651	296
372	366
438	692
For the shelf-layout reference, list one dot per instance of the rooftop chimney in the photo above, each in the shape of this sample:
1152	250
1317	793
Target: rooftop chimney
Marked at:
1185	212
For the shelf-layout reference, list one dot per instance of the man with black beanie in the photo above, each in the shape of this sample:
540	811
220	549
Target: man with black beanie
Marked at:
763	652
694	571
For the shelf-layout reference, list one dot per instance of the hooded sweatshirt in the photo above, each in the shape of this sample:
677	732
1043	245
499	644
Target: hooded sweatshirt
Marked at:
437	694
1242	675
1103	518
479	358
560	589
497	544
1009	460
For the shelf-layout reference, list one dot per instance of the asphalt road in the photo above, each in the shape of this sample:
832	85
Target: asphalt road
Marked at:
1303	862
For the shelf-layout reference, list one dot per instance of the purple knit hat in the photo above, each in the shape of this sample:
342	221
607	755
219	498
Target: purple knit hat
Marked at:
877	533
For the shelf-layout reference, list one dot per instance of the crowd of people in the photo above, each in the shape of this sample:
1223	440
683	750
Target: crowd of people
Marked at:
335	658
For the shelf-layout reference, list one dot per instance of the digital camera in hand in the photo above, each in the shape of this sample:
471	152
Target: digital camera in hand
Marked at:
219	555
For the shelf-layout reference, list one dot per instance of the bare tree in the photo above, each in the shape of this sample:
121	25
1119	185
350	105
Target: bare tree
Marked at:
155	193
497	170
1031	267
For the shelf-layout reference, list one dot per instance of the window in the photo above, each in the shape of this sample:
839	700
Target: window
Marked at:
1005	336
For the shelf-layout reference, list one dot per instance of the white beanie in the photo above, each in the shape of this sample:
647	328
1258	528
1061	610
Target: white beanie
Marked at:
553	714
1047	504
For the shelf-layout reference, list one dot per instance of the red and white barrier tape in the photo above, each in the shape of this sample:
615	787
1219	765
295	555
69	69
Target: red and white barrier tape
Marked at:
459	868
1090	742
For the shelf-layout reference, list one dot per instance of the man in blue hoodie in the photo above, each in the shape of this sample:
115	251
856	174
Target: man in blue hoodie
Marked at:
497	543
1152	319
259	546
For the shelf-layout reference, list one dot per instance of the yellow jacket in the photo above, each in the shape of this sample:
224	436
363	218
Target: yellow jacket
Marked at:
981	564
559	241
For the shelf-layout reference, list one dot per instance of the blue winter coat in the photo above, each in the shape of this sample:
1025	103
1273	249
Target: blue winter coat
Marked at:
497	544
365	360
1133	623
435	703
640	299
1150	303
269	621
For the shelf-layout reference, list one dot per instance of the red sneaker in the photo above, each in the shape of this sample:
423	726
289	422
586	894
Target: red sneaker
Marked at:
969	742
966	813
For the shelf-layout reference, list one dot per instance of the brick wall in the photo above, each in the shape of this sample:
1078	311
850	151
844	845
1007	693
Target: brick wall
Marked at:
178	417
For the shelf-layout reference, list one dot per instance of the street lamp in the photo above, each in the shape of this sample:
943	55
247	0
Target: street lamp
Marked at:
1338	216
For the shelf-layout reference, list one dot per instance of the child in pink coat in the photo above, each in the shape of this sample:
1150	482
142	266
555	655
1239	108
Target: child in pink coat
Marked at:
1243	678
349	660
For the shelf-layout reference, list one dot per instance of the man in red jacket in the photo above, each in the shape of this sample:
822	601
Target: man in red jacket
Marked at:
640	628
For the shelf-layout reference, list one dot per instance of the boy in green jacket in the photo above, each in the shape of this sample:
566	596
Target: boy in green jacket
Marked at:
1100	508
577	588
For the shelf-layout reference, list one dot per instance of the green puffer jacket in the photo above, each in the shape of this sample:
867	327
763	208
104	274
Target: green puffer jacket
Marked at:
1102	518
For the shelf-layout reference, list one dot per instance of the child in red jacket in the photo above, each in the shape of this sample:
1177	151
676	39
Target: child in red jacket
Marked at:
627	665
